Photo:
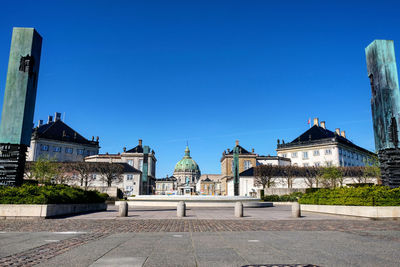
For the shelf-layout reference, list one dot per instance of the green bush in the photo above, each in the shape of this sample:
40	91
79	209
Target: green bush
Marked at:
284	198
49	194
354	196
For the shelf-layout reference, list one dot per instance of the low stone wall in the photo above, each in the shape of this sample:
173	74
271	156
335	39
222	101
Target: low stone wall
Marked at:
359	211
46	211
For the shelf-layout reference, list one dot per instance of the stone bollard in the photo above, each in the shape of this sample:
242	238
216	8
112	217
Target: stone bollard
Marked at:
239	209
181	209
123	209
296	210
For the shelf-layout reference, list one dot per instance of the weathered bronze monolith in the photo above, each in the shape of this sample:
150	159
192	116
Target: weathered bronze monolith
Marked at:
385	105
19	104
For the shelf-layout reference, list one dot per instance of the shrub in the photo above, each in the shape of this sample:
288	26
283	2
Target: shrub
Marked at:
354	196
284	198
49	194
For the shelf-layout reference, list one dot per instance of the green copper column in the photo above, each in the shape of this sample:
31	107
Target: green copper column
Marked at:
236	170
385	106
19	103
145	170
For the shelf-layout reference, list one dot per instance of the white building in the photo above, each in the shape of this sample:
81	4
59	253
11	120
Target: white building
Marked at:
319	146
135	158
129	181
55	140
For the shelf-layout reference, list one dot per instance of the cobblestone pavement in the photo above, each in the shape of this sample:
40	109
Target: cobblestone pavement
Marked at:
102	239
183	225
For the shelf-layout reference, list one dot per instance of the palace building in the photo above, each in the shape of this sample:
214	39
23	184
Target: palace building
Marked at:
134	157
187	173
55	140
319	146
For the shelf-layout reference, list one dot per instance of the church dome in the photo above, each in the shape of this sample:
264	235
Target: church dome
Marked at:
187	164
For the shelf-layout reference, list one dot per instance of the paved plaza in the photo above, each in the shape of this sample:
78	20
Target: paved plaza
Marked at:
207	237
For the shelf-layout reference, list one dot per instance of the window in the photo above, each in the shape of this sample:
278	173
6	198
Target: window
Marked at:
317	164
305	165
284	155
329	163
247	164
57	149
94	176
328	152
305	155
79	151
68	150
130	162
316	153
294	155
129	177
340	151
44	148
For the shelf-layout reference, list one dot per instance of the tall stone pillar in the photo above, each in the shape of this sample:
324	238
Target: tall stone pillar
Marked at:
19	104
385	106
236	169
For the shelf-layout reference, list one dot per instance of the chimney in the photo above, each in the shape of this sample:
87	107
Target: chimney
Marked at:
140	142
229	150
124	148
57	116
337	131
323	124
237	142
40	123
252	150
343	134
316	122
50	119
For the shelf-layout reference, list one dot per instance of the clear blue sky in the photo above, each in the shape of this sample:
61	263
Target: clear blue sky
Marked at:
206	72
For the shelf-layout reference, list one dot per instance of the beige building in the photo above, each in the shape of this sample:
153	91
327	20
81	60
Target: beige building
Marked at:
319	146
134	158
166	186
247	160
55	140
209	184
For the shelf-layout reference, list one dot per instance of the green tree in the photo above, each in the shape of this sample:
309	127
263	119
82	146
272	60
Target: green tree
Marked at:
331	176
45	171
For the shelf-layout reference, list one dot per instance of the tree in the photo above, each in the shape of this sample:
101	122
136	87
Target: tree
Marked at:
110	172
331	176
85	172
289	173
264	175
44	170
311	175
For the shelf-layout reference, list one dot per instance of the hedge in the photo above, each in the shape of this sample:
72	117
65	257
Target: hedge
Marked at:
284	198
49	194
354	196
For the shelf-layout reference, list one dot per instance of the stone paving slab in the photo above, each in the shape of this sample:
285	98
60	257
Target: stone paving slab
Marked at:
100	239
326	248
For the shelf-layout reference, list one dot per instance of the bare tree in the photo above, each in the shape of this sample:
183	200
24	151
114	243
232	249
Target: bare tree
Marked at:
264	175
110	172
85	172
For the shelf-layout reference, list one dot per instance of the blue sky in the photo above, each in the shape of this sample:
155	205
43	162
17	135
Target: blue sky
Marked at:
206	72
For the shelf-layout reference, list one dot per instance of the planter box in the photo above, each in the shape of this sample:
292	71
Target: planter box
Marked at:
359	211
46	211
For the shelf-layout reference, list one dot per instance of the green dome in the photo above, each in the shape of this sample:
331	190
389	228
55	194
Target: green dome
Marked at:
187	164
